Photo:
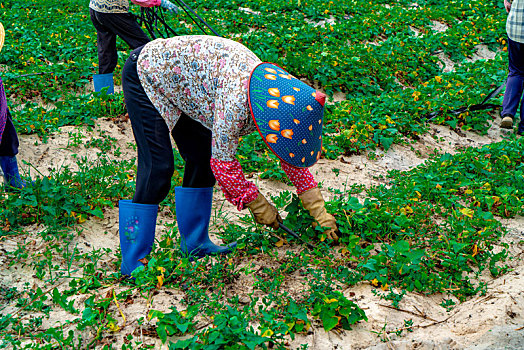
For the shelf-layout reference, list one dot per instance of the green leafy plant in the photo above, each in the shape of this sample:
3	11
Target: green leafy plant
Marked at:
174	322
335	310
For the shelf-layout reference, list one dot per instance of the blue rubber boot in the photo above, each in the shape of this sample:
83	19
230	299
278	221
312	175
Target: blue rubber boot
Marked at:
193	211
101	81
11	173
137	224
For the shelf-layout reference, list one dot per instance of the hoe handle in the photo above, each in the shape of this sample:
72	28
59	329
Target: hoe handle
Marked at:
309	245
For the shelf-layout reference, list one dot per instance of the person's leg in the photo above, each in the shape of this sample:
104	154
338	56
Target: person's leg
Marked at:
8	152
155	152
194	199
194	144
106	43
514	83
126	27
9	145
519	68
137	218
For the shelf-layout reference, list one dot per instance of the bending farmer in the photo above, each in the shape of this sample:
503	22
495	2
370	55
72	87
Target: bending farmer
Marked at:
207	92
112	18
8	137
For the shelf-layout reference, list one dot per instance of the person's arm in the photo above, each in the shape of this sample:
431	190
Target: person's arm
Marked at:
146	3
244	194
301	178
237	190
507	5
311	198
168	5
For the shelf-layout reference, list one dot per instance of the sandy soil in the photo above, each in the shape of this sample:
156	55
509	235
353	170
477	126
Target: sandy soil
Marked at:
491	321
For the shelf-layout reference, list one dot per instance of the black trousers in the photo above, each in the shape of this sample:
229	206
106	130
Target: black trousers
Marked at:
9	144
108	26
155	153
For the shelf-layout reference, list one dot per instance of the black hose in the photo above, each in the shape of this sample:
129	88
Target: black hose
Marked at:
151	17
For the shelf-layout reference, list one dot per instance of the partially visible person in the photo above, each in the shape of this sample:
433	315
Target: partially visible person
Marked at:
515	82
8	137
112	18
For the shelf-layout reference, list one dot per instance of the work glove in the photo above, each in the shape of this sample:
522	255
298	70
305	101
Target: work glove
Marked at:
168	5
314	203
264	213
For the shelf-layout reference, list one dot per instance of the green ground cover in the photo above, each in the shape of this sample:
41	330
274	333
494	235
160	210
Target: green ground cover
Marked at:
432	229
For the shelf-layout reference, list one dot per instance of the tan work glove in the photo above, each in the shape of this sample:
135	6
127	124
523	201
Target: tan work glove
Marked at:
312	201
265	213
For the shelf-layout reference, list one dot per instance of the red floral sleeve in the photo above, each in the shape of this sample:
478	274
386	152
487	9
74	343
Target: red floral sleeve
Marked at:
233	183
239	191
301	178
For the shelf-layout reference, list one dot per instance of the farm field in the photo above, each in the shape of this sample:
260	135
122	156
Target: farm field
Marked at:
429	198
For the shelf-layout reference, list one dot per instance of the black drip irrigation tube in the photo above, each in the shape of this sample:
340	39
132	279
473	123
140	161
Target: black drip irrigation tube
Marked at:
152	17
478	107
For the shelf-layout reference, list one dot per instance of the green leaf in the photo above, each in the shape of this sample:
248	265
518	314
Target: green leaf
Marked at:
418	285
401	246
386	142
329	320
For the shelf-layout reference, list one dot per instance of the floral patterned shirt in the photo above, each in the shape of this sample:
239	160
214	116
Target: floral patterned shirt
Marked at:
206	77
109	6
119	6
